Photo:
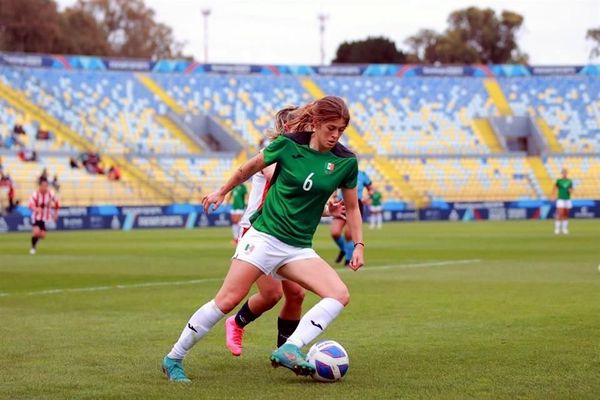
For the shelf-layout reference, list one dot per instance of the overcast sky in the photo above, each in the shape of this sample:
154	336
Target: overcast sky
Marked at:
287	31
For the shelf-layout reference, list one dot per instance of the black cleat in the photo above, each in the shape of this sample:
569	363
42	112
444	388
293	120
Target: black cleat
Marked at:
340	256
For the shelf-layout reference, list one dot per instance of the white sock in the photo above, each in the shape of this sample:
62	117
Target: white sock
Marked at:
372	221
198	326
565	225
235	230
557	225
379	220
315	321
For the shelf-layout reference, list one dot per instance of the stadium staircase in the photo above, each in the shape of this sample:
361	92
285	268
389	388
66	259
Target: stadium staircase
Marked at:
391	174
356	141
497	95
164	120
541	175
130	172
484	130
549	135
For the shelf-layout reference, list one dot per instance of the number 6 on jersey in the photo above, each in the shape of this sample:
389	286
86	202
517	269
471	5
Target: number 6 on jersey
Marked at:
308	182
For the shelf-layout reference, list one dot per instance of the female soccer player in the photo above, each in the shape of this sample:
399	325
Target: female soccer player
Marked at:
563	190
44	207
310	166
375	208
270	289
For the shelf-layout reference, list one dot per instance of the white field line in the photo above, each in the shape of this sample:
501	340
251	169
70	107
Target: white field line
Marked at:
111	287
420	265
196	281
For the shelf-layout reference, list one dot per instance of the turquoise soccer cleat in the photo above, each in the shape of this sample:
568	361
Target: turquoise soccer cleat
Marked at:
290	356
173	369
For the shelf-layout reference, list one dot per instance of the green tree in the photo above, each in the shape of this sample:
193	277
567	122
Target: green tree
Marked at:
131	28
473	35
373	50
594	35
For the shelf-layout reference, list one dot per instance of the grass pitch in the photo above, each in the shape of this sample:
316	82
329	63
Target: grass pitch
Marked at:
497	310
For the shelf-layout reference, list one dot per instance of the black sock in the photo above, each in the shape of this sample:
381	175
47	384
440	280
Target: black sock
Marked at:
34	241
285	327
245	316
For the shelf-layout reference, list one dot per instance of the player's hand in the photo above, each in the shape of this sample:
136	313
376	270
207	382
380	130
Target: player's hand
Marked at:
215	199
358	258
337	209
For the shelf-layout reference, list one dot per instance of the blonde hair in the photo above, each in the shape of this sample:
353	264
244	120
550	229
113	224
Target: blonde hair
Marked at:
328	108
281	119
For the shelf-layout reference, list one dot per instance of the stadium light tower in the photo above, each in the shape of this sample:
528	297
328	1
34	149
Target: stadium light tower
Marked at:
205	15
322	20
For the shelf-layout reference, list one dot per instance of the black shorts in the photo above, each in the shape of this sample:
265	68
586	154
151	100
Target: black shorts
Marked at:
41	225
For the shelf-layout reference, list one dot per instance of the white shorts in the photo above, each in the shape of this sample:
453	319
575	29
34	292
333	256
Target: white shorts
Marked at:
563	203
237	212
268	253
375	209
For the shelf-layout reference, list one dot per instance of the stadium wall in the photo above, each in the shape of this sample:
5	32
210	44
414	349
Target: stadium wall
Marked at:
192	216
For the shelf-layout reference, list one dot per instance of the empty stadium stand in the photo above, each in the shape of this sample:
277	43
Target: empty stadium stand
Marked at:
420	138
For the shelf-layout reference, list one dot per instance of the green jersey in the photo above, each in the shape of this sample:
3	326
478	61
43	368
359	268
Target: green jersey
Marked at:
376	199
564	186
238	195
301	185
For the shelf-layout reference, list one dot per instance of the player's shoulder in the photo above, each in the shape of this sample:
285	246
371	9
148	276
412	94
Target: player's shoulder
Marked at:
303	139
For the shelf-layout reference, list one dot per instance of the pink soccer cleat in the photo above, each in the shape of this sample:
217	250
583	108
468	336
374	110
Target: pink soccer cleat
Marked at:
233	336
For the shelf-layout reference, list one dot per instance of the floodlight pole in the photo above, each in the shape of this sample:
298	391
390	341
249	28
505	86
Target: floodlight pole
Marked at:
205	15
322	20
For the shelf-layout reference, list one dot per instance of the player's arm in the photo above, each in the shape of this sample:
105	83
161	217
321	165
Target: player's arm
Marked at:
241	175
555	190
33	204
354	221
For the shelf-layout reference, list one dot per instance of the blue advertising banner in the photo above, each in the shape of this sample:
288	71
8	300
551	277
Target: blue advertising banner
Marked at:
188	67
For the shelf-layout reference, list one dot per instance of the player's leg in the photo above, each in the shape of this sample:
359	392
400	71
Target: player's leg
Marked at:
348	246
36	235
235	287
565	217
317	276
379	219
372	218
235	224
337	227
558	217
269	294
289	316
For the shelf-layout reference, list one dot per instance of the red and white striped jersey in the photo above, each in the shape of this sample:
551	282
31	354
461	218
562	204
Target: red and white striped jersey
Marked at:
47	203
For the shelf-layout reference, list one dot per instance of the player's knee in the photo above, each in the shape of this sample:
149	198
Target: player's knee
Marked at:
272	296
341	294
294	295
227	301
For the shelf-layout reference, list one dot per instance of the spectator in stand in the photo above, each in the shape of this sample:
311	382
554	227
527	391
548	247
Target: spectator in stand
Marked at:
55	184
73	163
114	173
42	134
27	155
4	193
18	129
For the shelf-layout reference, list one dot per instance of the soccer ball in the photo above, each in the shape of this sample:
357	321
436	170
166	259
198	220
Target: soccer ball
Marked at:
330	360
